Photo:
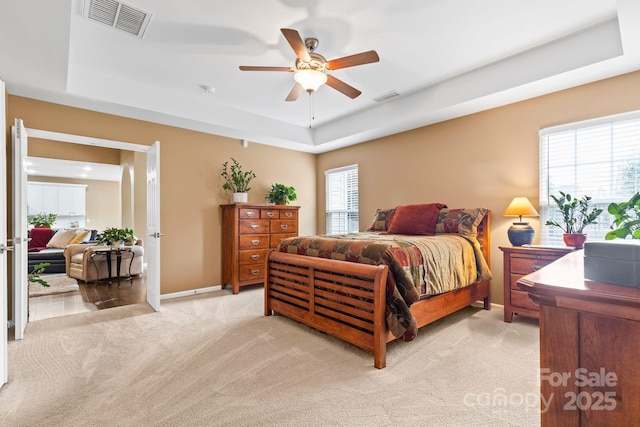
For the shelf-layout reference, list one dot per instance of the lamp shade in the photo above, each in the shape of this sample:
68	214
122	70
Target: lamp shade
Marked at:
310	80
520	206
520	233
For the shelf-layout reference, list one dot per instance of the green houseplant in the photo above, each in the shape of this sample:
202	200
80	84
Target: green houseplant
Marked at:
42	220
114	235
38	269
626	219
280	194
576	215
236	180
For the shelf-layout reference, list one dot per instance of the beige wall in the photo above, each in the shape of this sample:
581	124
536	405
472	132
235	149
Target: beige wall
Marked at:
102	202
484	159
481	160
191	185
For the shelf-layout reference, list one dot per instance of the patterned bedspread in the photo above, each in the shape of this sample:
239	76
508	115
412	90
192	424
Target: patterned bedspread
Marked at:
419	266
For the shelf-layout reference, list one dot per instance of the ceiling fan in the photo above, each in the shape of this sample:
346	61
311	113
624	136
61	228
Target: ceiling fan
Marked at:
310	66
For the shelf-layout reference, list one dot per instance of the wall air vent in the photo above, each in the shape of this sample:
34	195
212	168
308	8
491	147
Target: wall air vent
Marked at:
118	15
385	96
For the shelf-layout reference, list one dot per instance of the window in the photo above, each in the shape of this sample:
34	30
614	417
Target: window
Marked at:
342	200
598	158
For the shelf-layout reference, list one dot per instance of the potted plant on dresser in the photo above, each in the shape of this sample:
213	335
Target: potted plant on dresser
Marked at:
280	194
576	215
236	180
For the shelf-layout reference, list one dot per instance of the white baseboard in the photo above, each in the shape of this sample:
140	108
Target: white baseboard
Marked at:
191	292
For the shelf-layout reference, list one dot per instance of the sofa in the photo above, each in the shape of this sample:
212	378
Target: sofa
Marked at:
89	263
47	245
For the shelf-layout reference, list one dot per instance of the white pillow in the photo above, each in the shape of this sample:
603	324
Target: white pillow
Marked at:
62	238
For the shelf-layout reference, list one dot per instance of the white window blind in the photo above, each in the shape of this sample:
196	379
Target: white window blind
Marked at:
598	158
342	200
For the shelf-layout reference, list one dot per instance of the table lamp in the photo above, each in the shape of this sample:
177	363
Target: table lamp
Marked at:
520	233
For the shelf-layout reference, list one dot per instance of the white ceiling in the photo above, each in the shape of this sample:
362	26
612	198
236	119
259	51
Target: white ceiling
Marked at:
446	58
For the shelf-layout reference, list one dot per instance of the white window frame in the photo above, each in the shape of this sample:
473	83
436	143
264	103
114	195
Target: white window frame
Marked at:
599	158
341	200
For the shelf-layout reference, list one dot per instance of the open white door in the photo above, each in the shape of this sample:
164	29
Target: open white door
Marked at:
20	240
4	339
152	248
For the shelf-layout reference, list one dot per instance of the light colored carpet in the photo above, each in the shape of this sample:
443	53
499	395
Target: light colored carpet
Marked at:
215	360
58	284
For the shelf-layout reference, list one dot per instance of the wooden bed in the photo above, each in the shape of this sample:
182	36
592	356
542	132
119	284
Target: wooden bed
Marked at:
348	300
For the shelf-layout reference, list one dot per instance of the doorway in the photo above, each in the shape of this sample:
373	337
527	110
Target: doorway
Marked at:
152	244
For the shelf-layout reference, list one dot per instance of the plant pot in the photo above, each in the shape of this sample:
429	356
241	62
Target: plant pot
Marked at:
575	240
240	197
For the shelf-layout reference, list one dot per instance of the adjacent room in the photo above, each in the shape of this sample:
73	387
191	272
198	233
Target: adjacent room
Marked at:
320	213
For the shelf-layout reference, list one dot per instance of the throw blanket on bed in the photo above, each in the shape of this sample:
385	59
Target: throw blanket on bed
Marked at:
418	266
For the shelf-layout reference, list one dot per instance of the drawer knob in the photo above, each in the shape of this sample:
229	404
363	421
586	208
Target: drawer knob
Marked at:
255	272
254	226
283	226
255	257
250	213
255	242
536	267
288	214
270	214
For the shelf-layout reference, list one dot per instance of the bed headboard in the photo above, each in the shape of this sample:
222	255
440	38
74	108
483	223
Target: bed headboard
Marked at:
484	236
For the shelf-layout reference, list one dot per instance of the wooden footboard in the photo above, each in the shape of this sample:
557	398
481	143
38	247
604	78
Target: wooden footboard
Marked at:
347	300
343	299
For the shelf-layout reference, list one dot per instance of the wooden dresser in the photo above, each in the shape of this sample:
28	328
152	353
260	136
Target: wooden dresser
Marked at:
519	261
589	346
248	232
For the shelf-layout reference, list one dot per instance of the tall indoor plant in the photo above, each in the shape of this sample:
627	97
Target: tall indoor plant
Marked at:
236	180
576	215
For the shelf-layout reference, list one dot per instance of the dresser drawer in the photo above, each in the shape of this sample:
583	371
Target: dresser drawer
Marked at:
289	214
528	264
254	226
276	237
521	299
252	256
249	213
284	226
251	272
514	281
269	213
254	241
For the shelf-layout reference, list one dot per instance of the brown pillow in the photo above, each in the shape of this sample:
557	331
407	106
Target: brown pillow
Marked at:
415	219
461	221
381	220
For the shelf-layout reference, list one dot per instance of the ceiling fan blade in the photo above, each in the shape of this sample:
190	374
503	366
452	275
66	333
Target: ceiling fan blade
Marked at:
341	86
259	68
297	44
353	60
295	92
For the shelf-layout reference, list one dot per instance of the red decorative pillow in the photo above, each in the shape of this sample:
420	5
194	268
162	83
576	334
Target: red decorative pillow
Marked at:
40	236
416	219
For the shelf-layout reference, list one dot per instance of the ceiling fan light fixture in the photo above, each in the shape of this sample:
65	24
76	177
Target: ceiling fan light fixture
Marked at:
310	80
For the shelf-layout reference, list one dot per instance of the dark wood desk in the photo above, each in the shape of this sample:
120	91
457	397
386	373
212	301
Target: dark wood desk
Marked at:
589	346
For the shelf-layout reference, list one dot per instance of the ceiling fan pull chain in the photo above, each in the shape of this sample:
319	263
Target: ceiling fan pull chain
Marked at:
310	109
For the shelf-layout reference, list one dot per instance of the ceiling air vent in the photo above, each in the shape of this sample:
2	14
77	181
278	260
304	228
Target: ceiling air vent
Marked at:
118	15
386	96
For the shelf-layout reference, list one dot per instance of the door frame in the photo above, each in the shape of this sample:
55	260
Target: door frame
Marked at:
153	286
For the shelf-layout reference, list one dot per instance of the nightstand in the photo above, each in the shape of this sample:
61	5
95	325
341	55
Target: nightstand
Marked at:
520	261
